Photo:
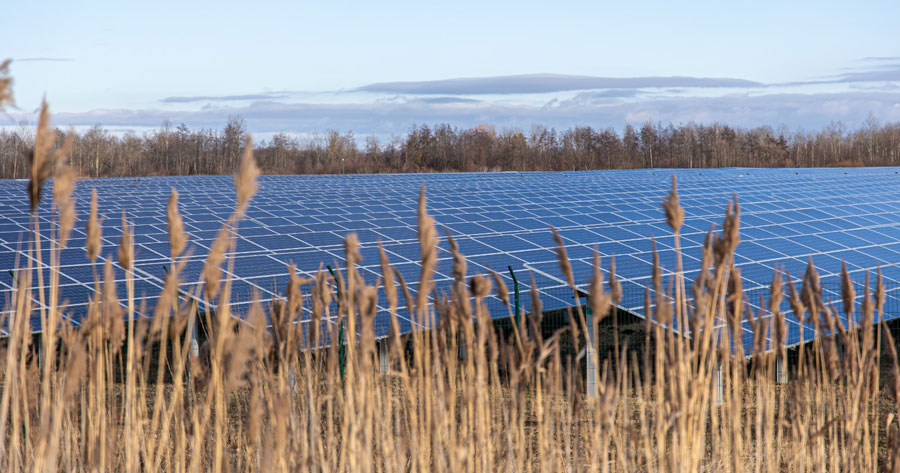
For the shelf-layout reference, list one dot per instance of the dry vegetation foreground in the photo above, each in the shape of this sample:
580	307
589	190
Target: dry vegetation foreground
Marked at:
121	393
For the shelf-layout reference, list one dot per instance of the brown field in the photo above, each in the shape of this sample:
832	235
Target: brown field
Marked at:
119	394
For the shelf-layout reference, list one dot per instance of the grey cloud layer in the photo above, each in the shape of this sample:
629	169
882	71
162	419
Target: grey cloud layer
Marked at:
545	83
878	69
385	119
885	73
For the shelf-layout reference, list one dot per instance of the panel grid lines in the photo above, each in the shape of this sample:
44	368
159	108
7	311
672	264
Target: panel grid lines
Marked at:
499	220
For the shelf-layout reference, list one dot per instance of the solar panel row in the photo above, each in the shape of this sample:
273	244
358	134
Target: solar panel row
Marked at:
498	219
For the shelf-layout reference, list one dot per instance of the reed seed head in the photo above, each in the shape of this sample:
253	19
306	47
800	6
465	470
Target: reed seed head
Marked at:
735	297
367	298
867	308
351	250
502	290
480	286
729	239
177	237
40	156
599	298
459	260
797	306
112	321
292	291
126	245
212	269
427	250
848	294
564	264
776	292
535	298
94	230
390	288
673	209
63	184
811	291
245	180
6	81
615	287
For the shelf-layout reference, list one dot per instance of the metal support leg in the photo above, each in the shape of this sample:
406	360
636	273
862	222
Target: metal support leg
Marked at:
382	348
195	345
720	385
39	348
591	354
781	370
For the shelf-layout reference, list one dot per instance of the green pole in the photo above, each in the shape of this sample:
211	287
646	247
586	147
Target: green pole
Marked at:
341	354
516	287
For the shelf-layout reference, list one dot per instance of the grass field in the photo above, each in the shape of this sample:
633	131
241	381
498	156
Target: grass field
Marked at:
126	394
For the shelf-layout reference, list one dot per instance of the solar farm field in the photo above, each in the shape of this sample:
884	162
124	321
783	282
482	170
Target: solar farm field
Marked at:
423	322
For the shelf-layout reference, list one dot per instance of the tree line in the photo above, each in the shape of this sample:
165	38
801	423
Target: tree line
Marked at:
179	150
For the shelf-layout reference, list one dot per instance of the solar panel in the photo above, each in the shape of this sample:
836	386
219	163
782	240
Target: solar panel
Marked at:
498	220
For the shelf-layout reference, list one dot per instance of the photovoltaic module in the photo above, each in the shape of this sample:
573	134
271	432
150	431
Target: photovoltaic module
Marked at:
498	219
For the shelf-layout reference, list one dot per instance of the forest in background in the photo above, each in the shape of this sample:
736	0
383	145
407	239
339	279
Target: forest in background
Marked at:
443	148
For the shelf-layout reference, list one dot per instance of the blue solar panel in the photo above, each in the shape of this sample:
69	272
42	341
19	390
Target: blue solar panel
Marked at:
816	243
535	256
497	219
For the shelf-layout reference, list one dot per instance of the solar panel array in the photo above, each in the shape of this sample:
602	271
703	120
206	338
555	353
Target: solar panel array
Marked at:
498	219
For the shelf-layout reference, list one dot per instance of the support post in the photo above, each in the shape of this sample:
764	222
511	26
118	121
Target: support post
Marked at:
590	354
39	347
516	288
382	347
781	370
195	343
720	385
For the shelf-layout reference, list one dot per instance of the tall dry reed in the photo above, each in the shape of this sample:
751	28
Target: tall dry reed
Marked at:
123	392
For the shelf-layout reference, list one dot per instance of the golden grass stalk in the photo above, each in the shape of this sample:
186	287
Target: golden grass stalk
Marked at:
94	230
245	180
673	209
126	245
40	158
6	81
458	395
177	237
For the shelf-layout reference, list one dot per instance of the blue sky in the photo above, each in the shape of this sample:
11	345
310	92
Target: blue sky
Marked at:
377	67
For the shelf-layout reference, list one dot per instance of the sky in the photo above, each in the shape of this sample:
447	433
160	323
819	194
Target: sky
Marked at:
375	68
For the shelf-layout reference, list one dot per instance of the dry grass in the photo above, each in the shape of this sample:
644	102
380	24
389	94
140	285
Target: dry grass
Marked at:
127	394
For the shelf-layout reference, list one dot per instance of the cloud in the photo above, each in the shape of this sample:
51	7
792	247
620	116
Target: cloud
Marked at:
545	83
447	100
385	119
889	74
881	58
220	98
601	97
887	69
881	87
